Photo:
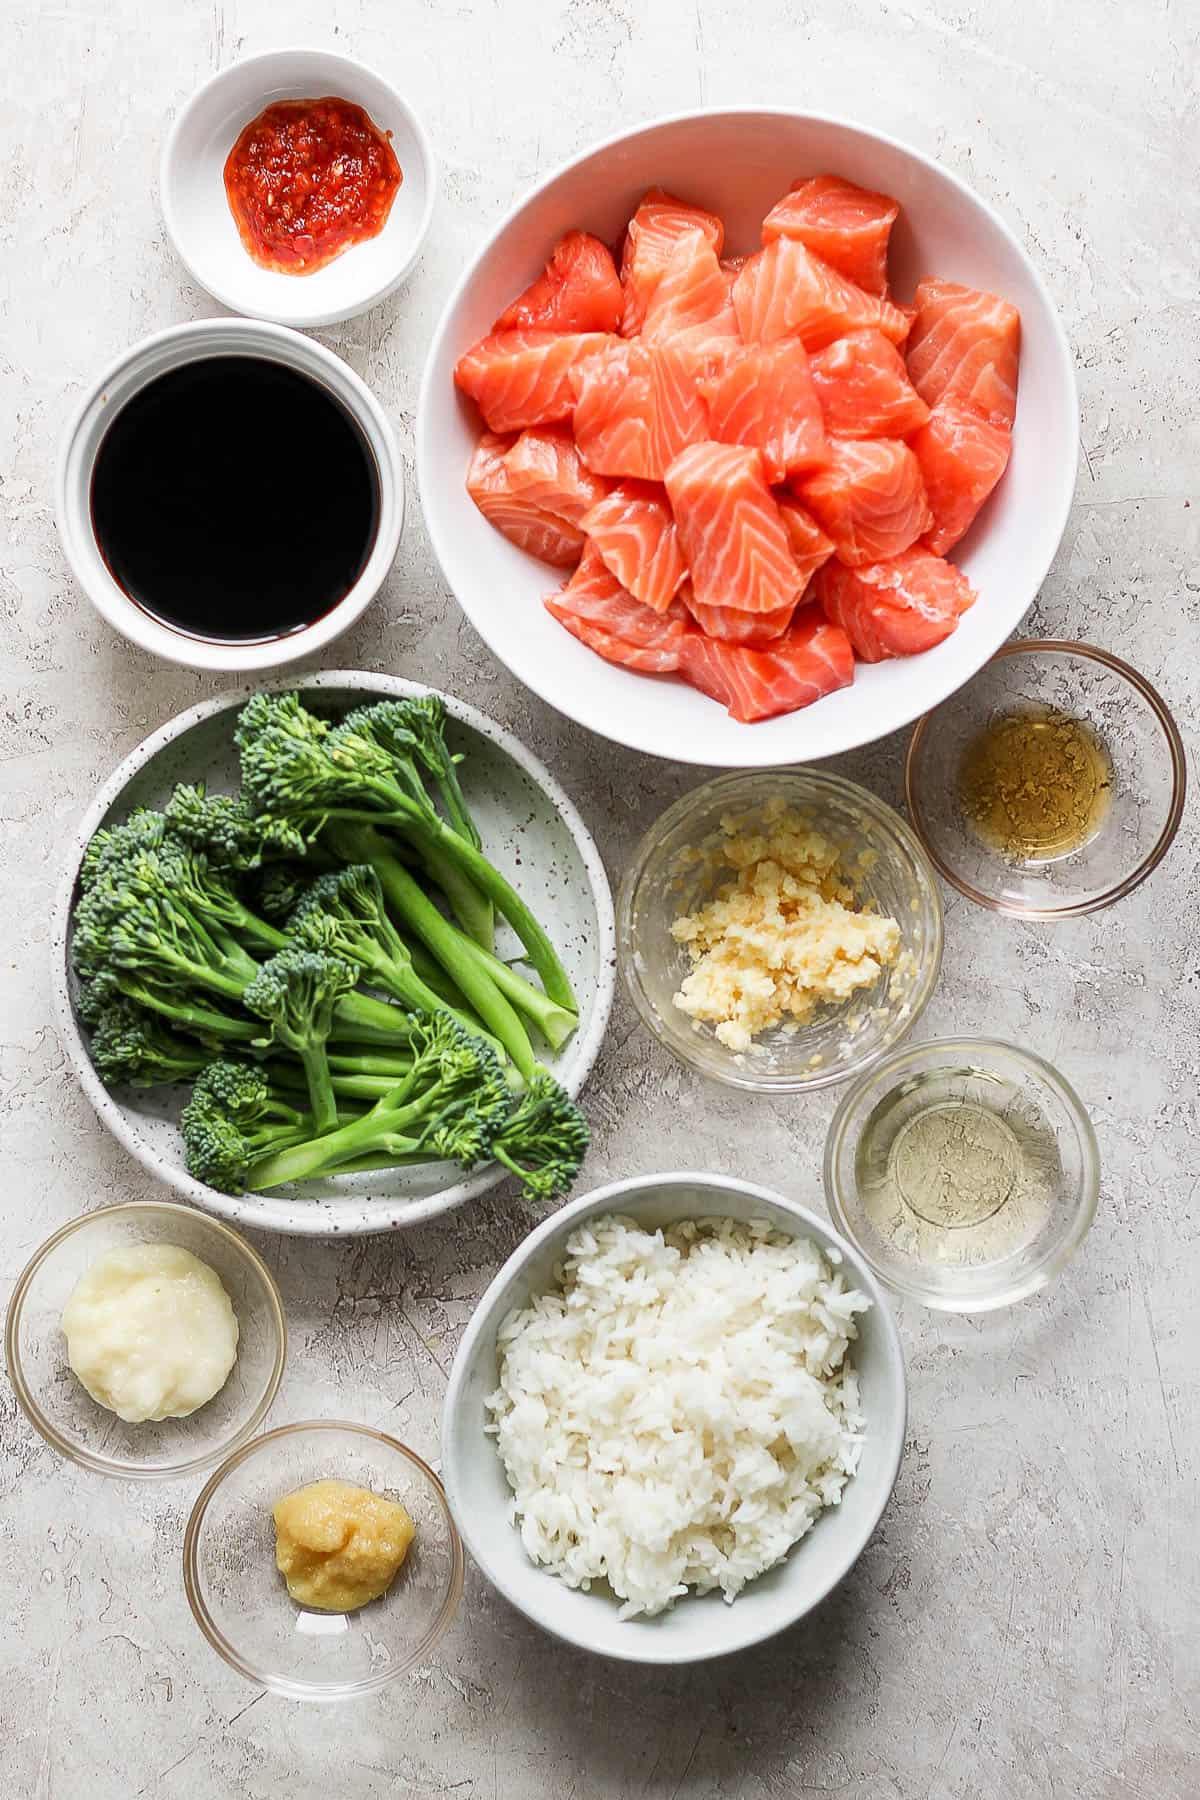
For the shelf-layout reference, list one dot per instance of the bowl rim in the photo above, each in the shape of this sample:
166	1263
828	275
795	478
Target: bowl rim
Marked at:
1064	1248
298	1218
170	156
285	1685
78	1453
278	343
1044	647
607	1198
557	695
692	801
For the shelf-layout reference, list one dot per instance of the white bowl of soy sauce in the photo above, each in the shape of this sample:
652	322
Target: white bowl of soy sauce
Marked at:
230	495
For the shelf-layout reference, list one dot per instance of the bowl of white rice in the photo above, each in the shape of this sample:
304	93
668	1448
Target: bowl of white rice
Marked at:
675	1418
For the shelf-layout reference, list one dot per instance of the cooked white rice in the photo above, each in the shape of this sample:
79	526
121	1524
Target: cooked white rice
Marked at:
676	1413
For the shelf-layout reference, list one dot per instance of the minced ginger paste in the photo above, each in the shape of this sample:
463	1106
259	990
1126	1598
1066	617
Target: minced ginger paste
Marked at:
338	1545
782	936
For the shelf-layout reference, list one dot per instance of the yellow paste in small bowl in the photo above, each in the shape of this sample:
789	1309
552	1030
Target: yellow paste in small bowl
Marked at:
339	1546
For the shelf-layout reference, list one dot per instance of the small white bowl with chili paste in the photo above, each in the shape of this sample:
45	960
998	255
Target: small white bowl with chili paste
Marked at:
297	187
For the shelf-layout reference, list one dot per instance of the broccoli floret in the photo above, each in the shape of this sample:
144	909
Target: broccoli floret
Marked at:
131	919
233	1119
544	1139
131	1048
344	912
349	774
296	993
227	831
142	830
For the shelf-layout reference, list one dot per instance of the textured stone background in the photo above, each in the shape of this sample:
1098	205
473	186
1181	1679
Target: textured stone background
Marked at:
1025	1621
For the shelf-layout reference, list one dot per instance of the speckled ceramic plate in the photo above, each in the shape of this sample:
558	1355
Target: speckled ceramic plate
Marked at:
530	830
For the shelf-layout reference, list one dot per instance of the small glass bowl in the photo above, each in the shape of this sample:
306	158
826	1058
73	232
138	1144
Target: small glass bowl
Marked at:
667	878
60	1407
959	1256
240	1600
1149	780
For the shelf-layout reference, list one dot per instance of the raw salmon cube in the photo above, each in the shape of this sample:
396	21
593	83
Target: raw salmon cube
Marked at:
602	614
692	298
962	457
525	524
786	291
638	406
764	398
580	290
864	390
731	529
734	626
523	378
809	546
654	230
545	468
846	226
965	344
870	499
810	660
634	530
898	607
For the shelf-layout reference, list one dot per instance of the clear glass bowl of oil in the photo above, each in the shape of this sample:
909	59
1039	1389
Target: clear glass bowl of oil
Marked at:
964	1170
1050	785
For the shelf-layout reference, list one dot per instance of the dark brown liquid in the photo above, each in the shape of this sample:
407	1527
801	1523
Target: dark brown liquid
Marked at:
235	499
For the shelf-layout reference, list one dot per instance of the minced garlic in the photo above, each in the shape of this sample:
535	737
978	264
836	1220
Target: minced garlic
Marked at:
782	936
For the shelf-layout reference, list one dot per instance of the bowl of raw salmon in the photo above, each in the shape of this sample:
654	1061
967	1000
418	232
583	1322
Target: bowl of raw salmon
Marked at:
747	437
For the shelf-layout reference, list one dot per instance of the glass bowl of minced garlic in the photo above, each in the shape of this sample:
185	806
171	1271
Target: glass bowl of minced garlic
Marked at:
1049	786
780	930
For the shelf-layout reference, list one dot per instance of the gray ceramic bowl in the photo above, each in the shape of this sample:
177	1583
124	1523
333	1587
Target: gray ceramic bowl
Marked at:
530	829
696	1628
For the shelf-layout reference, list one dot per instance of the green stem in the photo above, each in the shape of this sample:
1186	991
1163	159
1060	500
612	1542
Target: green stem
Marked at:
431	833
556	1023
364	1020
320	1088
443	940
304	1162
472	909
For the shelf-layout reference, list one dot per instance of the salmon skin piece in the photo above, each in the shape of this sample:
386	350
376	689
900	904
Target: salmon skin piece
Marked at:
692	298
870	499
545	468
634	530
965	344
652	234
602	614
637	407
962	457
523	378
898	607
525	524
733	626
731	530
764	398
786	291
810	660
848	227
809	546
864	390
579	290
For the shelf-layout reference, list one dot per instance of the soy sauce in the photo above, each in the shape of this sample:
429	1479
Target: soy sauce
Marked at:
235	499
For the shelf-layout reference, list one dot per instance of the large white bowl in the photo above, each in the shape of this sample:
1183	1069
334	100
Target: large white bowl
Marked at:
530	829
696	1627
738	163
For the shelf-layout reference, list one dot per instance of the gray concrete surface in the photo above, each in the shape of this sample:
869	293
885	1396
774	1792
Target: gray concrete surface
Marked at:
1024	1625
